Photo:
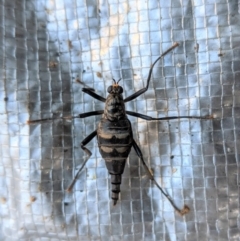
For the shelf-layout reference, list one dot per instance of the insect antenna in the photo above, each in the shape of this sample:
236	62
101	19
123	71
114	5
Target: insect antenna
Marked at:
119	80
114	81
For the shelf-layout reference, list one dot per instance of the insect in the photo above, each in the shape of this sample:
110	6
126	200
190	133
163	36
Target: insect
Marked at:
115	137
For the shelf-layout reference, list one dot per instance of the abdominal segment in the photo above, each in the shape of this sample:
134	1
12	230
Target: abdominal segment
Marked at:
115	143
115	169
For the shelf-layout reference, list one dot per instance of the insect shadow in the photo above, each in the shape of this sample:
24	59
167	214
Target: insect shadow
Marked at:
114	134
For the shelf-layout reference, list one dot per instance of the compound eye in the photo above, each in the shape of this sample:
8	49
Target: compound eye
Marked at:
120	89
109	89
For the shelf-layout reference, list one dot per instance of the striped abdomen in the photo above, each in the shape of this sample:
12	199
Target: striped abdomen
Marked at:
115	142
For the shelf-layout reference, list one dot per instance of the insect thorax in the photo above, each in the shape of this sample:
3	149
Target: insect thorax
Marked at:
114	107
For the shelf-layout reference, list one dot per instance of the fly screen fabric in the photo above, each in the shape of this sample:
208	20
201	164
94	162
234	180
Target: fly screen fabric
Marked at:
49	48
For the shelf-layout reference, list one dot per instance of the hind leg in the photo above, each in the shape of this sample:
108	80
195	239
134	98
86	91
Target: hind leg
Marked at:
139	153
84	142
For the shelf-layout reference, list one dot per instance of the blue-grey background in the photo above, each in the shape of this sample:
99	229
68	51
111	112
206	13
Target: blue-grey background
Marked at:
47	46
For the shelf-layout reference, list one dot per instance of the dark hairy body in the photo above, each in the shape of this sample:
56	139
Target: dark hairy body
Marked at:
115	137
115	140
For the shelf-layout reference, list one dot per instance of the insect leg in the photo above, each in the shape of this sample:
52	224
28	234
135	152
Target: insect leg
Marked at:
90	91
86	86
141	91
83	115
93	94
97	112
84	142
149	118
52	119
139	153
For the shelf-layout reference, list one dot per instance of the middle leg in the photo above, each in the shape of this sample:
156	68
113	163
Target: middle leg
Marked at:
91	113
149	118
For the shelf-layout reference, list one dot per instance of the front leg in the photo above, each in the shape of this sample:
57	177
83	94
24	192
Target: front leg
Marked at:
93	94
91	91
135	95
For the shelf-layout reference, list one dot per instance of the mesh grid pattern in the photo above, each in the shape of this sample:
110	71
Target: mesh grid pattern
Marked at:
47	47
